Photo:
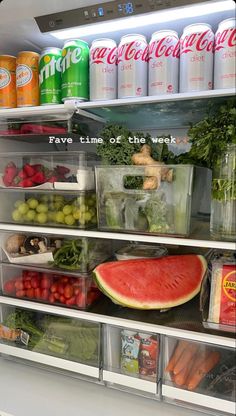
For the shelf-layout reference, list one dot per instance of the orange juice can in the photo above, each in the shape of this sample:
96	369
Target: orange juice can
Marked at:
7	81
27	79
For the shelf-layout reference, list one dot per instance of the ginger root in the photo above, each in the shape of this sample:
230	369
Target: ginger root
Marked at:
156	172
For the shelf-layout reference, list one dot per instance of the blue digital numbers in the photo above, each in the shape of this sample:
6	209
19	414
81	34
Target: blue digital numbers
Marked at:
100	11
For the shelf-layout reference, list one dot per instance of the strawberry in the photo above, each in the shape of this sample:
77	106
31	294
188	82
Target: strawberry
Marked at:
26	183
38	178
29	170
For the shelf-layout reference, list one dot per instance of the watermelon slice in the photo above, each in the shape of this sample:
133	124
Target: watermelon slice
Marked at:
152	283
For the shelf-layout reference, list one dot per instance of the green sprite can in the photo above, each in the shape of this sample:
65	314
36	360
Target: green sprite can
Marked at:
50	76
75	70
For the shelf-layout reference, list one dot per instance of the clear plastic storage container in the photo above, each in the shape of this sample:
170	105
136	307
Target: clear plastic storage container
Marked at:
54	170
60	209
70	254
151	199
199	374
131	360
74	290
56	340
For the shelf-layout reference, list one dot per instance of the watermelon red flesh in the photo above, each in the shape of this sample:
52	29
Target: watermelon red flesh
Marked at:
152	283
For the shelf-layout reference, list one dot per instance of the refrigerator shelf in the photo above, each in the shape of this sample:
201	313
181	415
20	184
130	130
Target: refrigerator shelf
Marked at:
197	238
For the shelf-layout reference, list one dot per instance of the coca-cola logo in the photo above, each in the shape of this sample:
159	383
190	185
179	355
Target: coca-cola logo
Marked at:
104	55
133	50
164	47
225	39
197	42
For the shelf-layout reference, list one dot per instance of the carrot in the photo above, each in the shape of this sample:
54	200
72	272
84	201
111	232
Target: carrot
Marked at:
186	358
206	365
176	355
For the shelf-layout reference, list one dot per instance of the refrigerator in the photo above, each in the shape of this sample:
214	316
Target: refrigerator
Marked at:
117	207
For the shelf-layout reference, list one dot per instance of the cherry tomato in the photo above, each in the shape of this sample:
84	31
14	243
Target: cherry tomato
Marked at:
68	291
30	293
19	285
9	287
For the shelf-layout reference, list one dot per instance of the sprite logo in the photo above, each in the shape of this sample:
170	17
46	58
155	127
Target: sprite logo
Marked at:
70	57
51	65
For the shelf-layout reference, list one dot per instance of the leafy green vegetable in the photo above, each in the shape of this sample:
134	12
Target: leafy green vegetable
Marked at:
210	136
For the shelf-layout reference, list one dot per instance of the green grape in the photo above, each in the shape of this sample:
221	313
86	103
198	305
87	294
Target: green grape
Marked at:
67	210
23	208
42	208
59	217
69	220
41	218
16	216
33	203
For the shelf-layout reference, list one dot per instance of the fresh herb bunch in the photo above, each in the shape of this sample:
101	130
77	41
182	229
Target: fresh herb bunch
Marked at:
210	136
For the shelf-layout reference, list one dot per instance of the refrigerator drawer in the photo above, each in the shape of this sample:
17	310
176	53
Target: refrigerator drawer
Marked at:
197	374
131	361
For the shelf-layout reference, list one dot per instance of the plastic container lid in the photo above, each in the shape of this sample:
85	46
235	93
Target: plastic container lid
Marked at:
140	251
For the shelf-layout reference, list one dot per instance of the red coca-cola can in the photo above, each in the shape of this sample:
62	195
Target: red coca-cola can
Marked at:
196	58
103	70
163	62
225	55
132	66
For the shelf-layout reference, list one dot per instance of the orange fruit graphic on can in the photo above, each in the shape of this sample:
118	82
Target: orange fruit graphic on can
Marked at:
27	79
7	81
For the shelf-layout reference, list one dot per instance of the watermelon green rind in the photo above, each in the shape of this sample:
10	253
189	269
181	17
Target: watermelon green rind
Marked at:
106	280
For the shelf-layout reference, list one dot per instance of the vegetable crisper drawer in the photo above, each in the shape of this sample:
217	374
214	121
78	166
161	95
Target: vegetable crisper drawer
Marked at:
54	170
201	376
131	361
58	341
151	199
47	208
72	290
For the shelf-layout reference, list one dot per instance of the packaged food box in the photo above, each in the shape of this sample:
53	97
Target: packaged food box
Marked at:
75	290
54	170
153	199
60	253
60	209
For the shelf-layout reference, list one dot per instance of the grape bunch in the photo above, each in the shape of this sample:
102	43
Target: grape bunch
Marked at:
57	210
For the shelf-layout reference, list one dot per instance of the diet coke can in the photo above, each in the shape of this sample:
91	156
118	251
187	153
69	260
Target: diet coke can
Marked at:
196	58
225	54
103	70
163	62
132	66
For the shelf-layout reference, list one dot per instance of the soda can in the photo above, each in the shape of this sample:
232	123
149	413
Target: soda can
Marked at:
225	55
132	66
7	81
75	70
103	70
50	76
27	79
196	58
163	62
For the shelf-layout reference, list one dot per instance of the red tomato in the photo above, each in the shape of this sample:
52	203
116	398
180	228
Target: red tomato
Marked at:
19	285
38	293
68	291
80	300
51	298
9	287
54	287
45	294
27	284
62	299
35	282
30	293
20	293
71	301
61	287
45	282
56	295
